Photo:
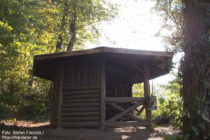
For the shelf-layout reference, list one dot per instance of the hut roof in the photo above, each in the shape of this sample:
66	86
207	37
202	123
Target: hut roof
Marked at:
159	62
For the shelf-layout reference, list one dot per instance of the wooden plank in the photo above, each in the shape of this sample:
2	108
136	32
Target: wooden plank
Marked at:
70	114
81	96
80	109
80	119
88	100
147	94
67	105
103	93
131	123
124	99
131	115
69	93
126	111
82	87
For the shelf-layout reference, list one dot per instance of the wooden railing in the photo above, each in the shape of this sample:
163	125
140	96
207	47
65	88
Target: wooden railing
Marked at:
132	111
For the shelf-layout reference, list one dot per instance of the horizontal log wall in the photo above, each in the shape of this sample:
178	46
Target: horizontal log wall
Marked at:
81	92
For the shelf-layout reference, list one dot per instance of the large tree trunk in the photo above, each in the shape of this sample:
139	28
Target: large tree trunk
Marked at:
59	43
194	68
72	30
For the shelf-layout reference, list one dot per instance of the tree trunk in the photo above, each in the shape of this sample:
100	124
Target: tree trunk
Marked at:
72	30
59	44
30	81
194	69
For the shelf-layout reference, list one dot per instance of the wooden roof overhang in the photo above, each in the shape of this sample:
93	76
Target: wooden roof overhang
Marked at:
119	61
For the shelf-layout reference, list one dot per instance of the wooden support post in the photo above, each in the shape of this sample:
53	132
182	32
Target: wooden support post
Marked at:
147	95
56	98
60	95
103	93
53	109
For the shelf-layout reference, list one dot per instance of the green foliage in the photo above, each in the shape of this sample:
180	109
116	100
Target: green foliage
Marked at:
171	30
138	90
169	104
36	107
198	119
81	18
29	106
32	27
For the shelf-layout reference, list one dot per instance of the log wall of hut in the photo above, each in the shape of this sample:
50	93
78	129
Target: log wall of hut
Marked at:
81	92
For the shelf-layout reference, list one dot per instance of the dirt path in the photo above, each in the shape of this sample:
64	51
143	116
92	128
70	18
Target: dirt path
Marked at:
43	132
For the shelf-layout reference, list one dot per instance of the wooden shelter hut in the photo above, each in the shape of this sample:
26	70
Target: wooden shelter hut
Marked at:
93	88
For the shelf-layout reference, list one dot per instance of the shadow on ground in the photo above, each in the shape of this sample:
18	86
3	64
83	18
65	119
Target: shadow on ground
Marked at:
49	133
123	133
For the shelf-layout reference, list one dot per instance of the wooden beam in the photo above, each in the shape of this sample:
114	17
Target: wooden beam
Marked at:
78	105
139	111
82	88
140	70
126	111
80	114
103	93
147	94
81	96
124	99
54	102
131	115
81	109
87	100
103	50
80	118
60	94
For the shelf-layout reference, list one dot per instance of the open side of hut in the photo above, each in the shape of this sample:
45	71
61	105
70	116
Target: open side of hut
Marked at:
93	88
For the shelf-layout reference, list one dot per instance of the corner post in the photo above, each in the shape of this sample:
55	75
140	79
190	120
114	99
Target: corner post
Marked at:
147	95
60	95
103	93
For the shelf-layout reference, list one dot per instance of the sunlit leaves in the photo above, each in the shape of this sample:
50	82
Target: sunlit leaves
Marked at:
171	12
31	27
86	16
169	104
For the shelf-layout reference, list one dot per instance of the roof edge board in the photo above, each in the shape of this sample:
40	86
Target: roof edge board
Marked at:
103	50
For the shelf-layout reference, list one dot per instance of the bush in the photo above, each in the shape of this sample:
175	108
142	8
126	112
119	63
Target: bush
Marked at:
169	105
34	107
28	107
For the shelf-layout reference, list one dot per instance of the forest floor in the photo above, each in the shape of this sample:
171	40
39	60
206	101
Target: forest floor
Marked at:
42	131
